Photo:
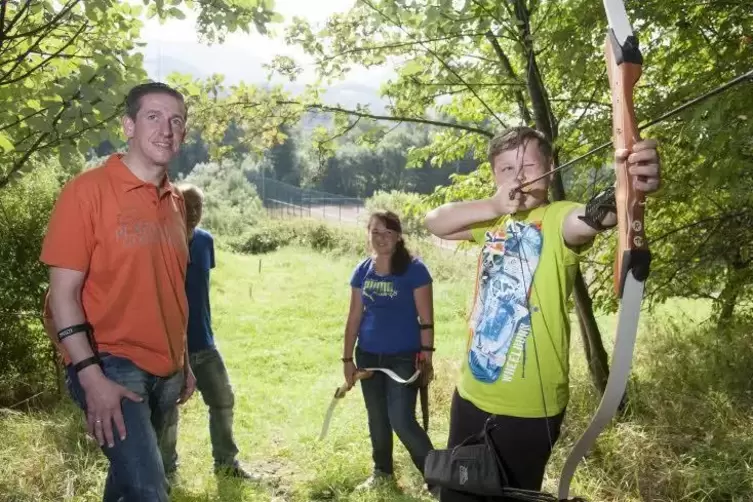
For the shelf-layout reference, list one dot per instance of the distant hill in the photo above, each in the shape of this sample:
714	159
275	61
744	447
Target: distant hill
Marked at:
167	58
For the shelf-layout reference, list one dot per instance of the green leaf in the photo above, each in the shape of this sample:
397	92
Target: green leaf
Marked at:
5	143
412	67
176	13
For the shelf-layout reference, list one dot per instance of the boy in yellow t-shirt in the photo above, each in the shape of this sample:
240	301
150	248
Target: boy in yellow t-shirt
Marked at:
516	365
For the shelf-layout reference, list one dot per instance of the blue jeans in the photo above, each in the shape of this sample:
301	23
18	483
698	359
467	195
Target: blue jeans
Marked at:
213	383
136	472
392	406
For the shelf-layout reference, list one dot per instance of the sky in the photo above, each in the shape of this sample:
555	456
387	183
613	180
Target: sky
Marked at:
175	46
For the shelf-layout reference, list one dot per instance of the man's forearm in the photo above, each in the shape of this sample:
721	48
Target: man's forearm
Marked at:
67	311
458	216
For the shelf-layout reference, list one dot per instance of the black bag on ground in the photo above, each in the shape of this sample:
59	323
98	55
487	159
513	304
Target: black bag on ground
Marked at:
471	467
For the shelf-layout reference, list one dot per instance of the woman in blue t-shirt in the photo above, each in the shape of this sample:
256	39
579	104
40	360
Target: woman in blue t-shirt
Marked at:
391	316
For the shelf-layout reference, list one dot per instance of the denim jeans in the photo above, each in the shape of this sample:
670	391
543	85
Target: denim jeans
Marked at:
392	406
136	472
213	383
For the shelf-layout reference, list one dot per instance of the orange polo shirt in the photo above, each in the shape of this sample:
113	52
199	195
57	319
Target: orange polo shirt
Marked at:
132	244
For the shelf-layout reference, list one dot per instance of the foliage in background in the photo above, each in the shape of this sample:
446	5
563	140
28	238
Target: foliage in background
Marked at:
231	203
65	68
25	352
477	67
410	207
339	240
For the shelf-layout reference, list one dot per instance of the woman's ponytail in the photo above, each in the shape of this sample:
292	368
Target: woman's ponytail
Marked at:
400	259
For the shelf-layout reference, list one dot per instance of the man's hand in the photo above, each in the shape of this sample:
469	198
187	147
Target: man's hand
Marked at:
189	385
644	164
103	397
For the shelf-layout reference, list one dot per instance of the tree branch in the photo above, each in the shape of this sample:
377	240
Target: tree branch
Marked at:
522	108
25	157
49	24
441	60
46	60
389	118
24	119
542	113
3	6
718	217
78	133
12	23
397	45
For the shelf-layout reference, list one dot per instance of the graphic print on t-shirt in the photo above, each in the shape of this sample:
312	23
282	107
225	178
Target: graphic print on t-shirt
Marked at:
501	320
372	288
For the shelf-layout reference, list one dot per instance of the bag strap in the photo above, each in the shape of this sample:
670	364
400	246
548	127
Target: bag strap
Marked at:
486	432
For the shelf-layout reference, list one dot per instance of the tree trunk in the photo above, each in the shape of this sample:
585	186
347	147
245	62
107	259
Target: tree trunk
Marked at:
596	355
728	297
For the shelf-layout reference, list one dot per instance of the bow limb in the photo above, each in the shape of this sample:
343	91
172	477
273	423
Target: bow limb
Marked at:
624	65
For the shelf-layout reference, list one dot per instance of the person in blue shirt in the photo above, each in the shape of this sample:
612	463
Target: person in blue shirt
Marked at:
391	319
212	379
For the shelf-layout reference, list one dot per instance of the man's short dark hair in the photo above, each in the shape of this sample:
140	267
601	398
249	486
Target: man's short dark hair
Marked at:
514	137
133	99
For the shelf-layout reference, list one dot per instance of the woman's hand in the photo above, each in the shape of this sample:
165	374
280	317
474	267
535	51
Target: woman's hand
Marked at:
349	371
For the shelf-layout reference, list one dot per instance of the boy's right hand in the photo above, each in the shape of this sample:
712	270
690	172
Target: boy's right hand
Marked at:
501	201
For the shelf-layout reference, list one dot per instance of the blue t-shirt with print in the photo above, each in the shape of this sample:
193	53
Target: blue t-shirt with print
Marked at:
389	323
201	251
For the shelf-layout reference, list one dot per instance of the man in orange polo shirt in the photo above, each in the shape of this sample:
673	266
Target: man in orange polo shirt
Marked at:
116	246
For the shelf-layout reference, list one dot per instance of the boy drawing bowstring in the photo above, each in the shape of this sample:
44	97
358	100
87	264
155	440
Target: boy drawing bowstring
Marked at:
516	369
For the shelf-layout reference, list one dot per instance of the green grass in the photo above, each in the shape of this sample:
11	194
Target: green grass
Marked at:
279	319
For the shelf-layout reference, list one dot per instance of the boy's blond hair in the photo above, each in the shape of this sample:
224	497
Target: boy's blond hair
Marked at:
514	137
191	193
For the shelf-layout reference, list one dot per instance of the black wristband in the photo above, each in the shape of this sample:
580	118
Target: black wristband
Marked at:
85	363
598	207
72	330
425	348
426	326
347	359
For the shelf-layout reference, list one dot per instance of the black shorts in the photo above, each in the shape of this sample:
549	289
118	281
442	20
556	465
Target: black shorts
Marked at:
523	445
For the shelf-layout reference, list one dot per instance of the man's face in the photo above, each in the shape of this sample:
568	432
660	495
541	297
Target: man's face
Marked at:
521	165
159	128
194	208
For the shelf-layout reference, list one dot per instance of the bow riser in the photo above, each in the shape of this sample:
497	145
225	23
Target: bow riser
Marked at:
624	69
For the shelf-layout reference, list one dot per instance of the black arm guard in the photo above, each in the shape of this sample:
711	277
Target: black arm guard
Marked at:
598	207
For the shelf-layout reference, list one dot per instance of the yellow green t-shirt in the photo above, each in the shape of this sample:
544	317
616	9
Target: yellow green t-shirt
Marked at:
517	360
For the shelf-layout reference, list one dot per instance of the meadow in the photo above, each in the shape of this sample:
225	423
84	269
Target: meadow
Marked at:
278	319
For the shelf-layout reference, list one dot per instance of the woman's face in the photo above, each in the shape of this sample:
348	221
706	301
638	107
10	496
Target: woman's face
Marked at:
382	239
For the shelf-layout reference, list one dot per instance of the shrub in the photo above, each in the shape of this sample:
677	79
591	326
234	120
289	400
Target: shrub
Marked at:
25	351
231	203
347	241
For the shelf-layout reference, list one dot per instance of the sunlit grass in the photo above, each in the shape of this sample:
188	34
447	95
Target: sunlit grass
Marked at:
279	320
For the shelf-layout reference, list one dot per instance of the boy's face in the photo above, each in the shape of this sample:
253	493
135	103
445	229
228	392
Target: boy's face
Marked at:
517	166
193	210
